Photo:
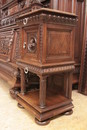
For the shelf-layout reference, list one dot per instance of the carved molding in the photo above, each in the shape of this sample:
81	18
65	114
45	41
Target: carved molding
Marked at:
22	4
41	41
38	70
8	21
47	17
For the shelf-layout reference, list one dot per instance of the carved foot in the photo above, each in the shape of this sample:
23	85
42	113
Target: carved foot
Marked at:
20	106
13	92
42	122
69	112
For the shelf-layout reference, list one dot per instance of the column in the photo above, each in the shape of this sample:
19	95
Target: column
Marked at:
23	87
42	93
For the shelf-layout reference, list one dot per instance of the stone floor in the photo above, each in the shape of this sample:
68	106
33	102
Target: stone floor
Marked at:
13	118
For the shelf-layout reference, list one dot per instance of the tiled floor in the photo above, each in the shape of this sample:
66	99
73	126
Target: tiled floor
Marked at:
13	118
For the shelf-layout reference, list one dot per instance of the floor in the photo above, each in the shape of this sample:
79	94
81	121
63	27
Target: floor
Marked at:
13	118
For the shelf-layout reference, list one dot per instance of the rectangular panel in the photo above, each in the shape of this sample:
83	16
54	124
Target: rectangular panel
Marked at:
59	44
30	40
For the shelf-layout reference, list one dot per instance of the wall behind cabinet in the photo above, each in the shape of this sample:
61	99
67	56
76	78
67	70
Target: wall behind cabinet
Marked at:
64	5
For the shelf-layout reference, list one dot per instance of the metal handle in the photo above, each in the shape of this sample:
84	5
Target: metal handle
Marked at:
26	70
25	21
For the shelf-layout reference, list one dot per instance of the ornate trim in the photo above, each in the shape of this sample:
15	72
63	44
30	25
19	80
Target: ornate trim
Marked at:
47	70
41	42
43	15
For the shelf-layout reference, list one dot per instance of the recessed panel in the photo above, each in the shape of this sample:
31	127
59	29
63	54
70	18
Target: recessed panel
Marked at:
59	45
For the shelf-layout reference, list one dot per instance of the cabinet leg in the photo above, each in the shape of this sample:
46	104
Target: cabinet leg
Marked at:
42	122
23	88
42	95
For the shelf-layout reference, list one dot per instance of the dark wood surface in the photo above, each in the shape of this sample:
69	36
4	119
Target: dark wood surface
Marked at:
32	98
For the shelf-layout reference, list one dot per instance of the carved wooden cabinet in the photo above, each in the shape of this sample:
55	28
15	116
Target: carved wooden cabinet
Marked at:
47	50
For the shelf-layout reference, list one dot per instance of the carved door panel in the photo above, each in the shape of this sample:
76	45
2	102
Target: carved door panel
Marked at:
30	43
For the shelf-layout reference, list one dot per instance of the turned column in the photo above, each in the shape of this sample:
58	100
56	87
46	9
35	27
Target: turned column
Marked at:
68	84
42	93
23	87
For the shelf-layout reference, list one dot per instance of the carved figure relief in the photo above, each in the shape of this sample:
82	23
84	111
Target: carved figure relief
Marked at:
32	43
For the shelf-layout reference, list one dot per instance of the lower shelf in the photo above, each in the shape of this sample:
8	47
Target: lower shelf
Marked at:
55	104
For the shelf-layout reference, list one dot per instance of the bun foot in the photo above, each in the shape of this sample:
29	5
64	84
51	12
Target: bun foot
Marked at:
42	122
20	106
69	112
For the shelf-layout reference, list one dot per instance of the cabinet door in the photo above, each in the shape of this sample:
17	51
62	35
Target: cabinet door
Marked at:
30	43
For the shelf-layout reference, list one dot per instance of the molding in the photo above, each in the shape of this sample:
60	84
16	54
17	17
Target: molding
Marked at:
48	70
47	15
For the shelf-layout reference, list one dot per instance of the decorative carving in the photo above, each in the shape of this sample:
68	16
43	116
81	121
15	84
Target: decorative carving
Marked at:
8	21
10	45
35	4
6	43
18	47
4	13
46	17
36	1
21	4
32	44
4	46
41	41
49	70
